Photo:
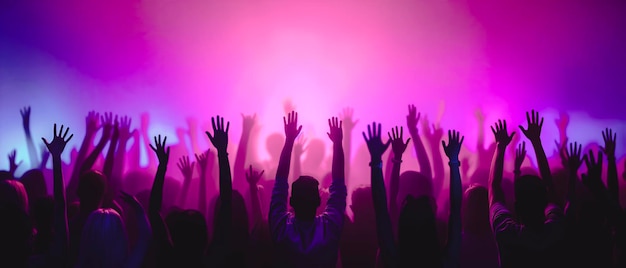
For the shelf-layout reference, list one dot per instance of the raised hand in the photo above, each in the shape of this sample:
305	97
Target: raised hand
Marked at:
124	128
433	136
535	123
520	155
374	142
292	130
454	145
562	122
248	122
347	116
26	118
573	157
412	119
253	176
336	131
185	166
203	160
108	124
300	145
398	146
12	164
92	122
501	134
57	145
162	154
610	140
593	178
219	139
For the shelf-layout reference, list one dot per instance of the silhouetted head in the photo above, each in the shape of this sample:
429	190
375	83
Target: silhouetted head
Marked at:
274	144
418	244
136	181
417	185
480	176
362	204
530	200
35	184
305	197
91	189
188	231
15	225
103	242
476	210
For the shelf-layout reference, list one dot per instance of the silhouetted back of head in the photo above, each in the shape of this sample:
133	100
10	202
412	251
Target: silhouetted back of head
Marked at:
305	197
418	244
362	204
35	184
104	242
415	184
530	200
476	210
240	223
13	193
188	230
91	189
5	175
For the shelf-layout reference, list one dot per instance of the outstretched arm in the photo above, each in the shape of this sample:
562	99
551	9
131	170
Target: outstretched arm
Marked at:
398	146
572	164
186	168
433	142
219	139
32	150
520	154
384	229
533	133
278	203
59	250
242	152
92	122
336	205
120	154
253	178
112	184
159	231
348	125
13	165
107	119
610	140
422	156
203	160
453	247
496	194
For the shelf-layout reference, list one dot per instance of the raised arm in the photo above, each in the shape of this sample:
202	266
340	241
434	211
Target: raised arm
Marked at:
434	138
219	139
496	194
92	122
336	205
203	160
572	164
144	232
299	148
186	168
60	247
159	231
242	152
422	157
453	247
398	146
278	203
110	157
610	140
384	229
347	117
107	120
32	150
253	178
533	133
120	155
520	154
13	165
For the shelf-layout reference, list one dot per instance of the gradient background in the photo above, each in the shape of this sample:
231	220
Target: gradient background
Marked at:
175	59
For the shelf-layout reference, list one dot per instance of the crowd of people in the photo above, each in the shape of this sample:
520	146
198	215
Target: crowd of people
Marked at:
481	209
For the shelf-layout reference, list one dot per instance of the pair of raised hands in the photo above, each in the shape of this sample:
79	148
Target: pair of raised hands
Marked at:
376	146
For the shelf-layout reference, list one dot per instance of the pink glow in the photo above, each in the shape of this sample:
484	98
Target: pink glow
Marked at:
175	59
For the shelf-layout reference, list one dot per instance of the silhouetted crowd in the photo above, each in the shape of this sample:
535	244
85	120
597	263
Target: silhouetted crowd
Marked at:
449	207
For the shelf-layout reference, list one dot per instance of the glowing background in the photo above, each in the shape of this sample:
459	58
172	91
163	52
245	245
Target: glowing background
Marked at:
175	59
